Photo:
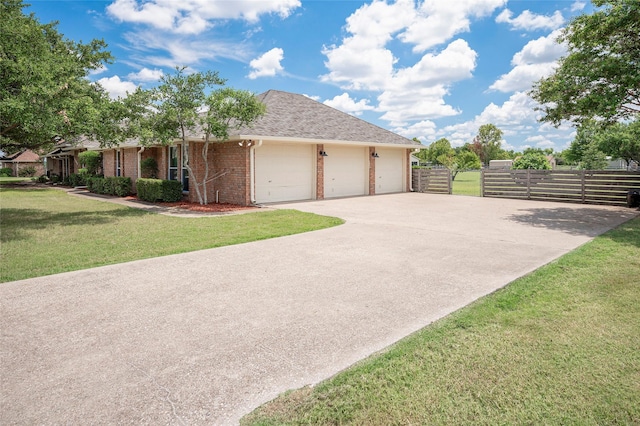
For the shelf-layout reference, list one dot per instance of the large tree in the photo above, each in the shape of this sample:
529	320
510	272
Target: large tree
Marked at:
600	76
44	90
621	140
184	105
487	143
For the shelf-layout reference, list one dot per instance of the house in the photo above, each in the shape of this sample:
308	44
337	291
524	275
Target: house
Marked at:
299	150
63	160
24	159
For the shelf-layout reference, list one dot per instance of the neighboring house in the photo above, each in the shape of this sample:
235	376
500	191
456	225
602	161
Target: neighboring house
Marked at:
500	164
415	161
299	150
21	160
63	160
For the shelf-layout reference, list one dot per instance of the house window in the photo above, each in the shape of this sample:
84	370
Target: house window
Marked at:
185	171
173	163
118	168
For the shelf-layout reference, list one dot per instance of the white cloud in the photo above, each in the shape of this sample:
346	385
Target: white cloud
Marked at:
537	59
268	64
528	21
436	21
195	16
117	88
345	103
145	74
578	6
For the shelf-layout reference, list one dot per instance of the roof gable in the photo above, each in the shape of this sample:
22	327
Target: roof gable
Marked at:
291	115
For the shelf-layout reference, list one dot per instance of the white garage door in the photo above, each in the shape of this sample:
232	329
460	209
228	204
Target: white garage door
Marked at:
284	172
389	170
346	171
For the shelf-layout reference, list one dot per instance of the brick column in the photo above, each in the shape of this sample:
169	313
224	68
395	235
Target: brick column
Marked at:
319	172
372	171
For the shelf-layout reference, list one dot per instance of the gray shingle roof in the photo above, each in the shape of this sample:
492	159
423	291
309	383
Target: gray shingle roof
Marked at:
290	115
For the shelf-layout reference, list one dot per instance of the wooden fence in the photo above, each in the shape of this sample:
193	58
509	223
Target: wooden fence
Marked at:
578	186
437	181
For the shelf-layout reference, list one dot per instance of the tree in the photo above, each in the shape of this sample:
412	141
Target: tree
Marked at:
440	152
621	140
466	160
182	108
44	90
600	76
532	159
487	143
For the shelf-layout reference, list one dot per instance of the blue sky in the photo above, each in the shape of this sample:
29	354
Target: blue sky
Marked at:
426	69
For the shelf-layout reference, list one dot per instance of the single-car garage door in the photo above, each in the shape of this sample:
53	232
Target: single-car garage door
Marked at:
346	171
284	172
389	170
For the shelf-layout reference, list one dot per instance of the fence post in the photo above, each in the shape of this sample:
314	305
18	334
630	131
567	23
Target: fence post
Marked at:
482	182
419	180
528	184
450	183
583	188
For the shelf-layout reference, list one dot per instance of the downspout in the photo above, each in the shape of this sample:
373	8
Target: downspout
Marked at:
140	162
252	170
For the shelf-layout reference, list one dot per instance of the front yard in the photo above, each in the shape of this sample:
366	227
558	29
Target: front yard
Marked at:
46	231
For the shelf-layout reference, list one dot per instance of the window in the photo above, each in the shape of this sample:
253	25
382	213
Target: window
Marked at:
173	163
118	168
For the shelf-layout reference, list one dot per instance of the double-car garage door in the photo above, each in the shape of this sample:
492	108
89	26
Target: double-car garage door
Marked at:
287	172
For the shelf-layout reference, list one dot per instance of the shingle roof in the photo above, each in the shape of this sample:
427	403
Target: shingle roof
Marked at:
290	115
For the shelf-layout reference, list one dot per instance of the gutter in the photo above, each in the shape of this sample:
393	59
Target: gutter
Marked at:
252	170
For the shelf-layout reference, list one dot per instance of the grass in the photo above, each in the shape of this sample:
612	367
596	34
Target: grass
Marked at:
558	346
46	231
12	179
467	183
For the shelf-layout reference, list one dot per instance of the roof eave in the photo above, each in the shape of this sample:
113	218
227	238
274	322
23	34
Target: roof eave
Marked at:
323	141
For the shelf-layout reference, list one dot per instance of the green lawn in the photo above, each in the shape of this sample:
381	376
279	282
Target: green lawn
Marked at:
46	231
12	179
467	183
558	346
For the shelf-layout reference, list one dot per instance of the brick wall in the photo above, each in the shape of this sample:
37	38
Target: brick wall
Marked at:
109	163
231	161
372	171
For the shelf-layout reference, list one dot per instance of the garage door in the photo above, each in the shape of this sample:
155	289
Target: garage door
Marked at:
389	170
284	172
346	172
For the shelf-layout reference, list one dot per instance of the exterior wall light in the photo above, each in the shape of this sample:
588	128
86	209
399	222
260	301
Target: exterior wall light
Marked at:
375	155
323	154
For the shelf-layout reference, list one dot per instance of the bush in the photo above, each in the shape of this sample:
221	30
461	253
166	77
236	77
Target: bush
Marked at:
91	161
27	171
171	191
78	179
43	179
149	168
149	189
6	172
120	186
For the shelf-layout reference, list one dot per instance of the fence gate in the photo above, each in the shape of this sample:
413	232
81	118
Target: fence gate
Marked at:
435	181
577	186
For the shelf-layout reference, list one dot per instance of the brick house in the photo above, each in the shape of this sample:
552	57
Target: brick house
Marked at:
21	160
63	160
299	150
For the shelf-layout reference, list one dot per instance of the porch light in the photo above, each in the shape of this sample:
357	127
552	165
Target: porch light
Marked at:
324	154
375	155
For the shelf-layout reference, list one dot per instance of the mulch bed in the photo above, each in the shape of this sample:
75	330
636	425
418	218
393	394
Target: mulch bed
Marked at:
207	208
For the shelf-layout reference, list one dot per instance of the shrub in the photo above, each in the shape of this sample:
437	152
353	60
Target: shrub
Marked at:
76	179
6	172
120	186
149	168
149	189
171	191
43	179
91	161
27	171
531	160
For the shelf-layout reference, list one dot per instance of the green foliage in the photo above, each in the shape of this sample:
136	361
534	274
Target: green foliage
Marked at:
6	172
621	140
532	160
149	168
91	161
77	179
171	191
487	143
120	186
440	152
42	179
44	89
600	76
593	158
27	171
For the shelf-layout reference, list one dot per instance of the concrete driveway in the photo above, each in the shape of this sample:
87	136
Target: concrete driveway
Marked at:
205	337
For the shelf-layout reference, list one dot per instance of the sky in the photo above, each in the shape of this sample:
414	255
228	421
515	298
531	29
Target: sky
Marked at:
426	69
